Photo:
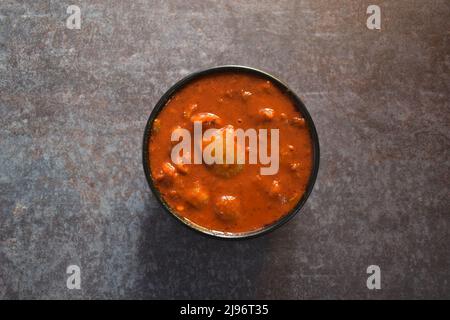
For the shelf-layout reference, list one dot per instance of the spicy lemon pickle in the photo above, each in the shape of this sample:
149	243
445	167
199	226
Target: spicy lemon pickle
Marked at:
231	197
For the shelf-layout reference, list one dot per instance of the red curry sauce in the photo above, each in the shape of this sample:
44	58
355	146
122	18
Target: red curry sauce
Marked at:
232	198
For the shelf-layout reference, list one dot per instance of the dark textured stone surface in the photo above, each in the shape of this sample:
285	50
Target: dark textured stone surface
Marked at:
73	105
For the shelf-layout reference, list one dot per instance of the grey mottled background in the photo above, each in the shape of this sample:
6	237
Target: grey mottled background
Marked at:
73	105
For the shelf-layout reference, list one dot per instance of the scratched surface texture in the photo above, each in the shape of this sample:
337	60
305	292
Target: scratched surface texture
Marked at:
73	105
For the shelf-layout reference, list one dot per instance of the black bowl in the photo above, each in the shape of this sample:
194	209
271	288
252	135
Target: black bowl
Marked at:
300	106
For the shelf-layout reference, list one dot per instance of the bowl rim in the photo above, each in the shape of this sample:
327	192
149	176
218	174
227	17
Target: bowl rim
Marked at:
298	104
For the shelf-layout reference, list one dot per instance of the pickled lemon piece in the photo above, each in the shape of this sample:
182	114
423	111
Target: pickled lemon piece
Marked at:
225	169
227	208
